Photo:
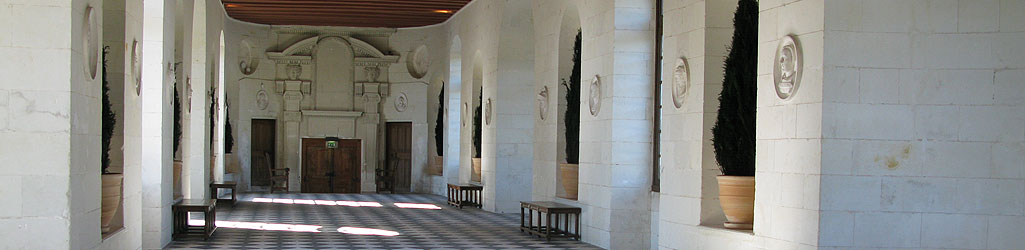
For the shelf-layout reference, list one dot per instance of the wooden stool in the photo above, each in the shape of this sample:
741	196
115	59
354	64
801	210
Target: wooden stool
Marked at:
464	195
180	212
544	227
230	185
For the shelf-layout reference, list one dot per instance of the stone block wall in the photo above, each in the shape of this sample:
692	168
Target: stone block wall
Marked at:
923	125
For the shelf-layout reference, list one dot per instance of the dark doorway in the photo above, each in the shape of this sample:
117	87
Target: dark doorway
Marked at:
264	132
399	155
331	166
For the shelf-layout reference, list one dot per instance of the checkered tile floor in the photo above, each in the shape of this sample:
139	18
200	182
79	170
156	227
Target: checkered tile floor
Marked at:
363	221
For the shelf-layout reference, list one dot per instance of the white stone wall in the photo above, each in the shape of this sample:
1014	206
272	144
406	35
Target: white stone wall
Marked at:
923	125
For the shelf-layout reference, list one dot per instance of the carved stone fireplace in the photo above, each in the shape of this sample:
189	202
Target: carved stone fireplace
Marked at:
323	97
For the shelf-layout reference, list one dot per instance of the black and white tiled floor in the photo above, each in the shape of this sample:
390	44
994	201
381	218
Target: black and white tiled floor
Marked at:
364	221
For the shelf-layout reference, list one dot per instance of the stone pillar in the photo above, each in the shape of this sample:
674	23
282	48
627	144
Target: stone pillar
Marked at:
157	78
367	130
292	92
196	122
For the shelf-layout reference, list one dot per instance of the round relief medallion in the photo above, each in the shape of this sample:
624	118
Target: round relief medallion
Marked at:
466	111
487	112
542	103
137	67
401	103
262	100
787	68
90	43
247	62
681	82
595	93
418	62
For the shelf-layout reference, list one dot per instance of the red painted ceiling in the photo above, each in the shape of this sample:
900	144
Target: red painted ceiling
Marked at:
350	13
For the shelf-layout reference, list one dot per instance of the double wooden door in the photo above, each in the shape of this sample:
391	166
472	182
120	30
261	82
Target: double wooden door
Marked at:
331	170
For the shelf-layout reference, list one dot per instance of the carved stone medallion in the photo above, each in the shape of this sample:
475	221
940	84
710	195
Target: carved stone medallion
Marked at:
466	108
595	95
262	100
681	82
188	94
418	62
542	103
787	68
137	67
401	102
487	112
247	61
90	43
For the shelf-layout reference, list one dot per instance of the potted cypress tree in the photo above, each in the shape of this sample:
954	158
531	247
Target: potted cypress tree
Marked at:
570	170
229	140
175	141
475	175
439	134
733	135
111	183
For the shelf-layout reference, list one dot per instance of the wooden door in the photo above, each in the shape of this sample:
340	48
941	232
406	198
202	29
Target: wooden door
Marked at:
263	135
331	170
399	155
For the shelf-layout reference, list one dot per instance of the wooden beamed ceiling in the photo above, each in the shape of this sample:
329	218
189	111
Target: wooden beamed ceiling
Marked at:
347	13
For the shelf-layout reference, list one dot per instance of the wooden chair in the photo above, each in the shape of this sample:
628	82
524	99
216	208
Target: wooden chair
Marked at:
278	176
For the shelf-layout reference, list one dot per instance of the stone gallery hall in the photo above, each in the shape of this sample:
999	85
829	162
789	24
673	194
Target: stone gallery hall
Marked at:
512	124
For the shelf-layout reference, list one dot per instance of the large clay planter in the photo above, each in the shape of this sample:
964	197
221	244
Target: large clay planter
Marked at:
110	199
435	168
475	175
569	173
229	164
176	180
737	197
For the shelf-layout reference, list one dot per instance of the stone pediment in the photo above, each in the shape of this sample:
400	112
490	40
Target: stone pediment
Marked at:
301	52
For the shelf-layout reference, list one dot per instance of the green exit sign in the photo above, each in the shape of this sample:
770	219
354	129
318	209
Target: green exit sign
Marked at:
332	144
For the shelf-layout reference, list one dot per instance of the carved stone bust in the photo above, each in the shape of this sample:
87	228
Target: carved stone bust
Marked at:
372	73
487	112
294	71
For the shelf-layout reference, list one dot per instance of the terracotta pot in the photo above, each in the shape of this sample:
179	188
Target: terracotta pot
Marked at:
737	197
110	199
176	179
435	168
569	173
229	164
475	175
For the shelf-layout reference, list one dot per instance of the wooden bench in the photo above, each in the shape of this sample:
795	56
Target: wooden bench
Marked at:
549	216
180	212
229	185
464	195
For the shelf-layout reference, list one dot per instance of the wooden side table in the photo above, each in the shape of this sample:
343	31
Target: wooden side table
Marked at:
464	195
545	212
230	185
180	212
